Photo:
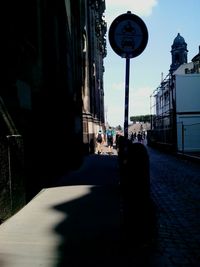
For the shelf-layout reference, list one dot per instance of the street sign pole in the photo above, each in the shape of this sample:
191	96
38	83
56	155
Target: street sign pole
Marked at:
128	37
126	115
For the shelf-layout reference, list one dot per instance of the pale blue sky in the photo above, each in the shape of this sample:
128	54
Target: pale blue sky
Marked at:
164	20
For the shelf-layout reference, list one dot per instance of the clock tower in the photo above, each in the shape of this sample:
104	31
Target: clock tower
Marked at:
179	53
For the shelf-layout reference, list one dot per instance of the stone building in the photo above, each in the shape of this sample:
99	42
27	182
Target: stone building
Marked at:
51	90
93	88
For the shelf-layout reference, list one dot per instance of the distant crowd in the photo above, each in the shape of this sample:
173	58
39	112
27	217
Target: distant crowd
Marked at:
110	136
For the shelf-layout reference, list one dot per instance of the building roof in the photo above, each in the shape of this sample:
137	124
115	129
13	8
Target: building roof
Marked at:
179	40
197	57
182	68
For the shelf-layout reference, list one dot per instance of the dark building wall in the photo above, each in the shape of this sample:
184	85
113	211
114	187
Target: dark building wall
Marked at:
12	186
42	83
56	104
93	114
41	90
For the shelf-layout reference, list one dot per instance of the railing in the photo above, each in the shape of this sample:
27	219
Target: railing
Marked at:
187	140
161	137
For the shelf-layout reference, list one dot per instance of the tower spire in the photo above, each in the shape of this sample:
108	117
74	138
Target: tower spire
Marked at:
179	53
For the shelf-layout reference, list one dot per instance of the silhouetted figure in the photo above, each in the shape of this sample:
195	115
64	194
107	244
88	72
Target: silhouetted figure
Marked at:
121	152
132	137
139	137
91	145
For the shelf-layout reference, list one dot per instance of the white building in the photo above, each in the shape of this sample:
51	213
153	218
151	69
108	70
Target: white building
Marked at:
188	111
176	103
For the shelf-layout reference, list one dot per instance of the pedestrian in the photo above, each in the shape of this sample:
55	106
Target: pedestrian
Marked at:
139	137
132	137
99	141
109	138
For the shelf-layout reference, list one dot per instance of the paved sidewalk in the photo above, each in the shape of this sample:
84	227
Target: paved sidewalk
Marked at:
76	223
64	226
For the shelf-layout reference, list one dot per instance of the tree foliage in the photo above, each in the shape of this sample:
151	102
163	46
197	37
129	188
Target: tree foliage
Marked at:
141	118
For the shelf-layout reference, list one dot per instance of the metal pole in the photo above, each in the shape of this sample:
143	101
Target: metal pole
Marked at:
183	137
126	98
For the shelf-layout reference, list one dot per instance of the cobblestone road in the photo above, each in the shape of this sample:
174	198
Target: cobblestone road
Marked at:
175	187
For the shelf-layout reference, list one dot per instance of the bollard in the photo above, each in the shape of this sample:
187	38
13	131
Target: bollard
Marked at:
138	219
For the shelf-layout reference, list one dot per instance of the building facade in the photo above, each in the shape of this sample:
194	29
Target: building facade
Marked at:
174	104
93	88
51	91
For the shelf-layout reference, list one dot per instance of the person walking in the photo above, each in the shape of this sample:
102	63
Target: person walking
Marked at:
99	141
109	139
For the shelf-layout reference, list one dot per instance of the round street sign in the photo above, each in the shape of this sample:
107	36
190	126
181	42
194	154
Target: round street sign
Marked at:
128	35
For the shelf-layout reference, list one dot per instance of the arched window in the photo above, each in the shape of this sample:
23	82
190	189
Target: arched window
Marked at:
177	59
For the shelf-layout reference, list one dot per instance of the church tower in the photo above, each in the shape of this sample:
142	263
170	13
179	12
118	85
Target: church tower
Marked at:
179	53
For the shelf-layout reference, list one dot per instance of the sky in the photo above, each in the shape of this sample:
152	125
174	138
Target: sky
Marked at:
164	19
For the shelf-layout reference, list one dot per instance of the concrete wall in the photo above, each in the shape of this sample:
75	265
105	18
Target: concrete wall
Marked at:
187	93
188	112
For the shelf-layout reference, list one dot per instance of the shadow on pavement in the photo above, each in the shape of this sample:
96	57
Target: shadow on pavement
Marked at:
95	170
93	231
90	234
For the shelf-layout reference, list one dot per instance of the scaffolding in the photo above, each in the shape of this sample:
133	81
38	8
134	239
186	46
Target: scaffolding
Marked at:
162	108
